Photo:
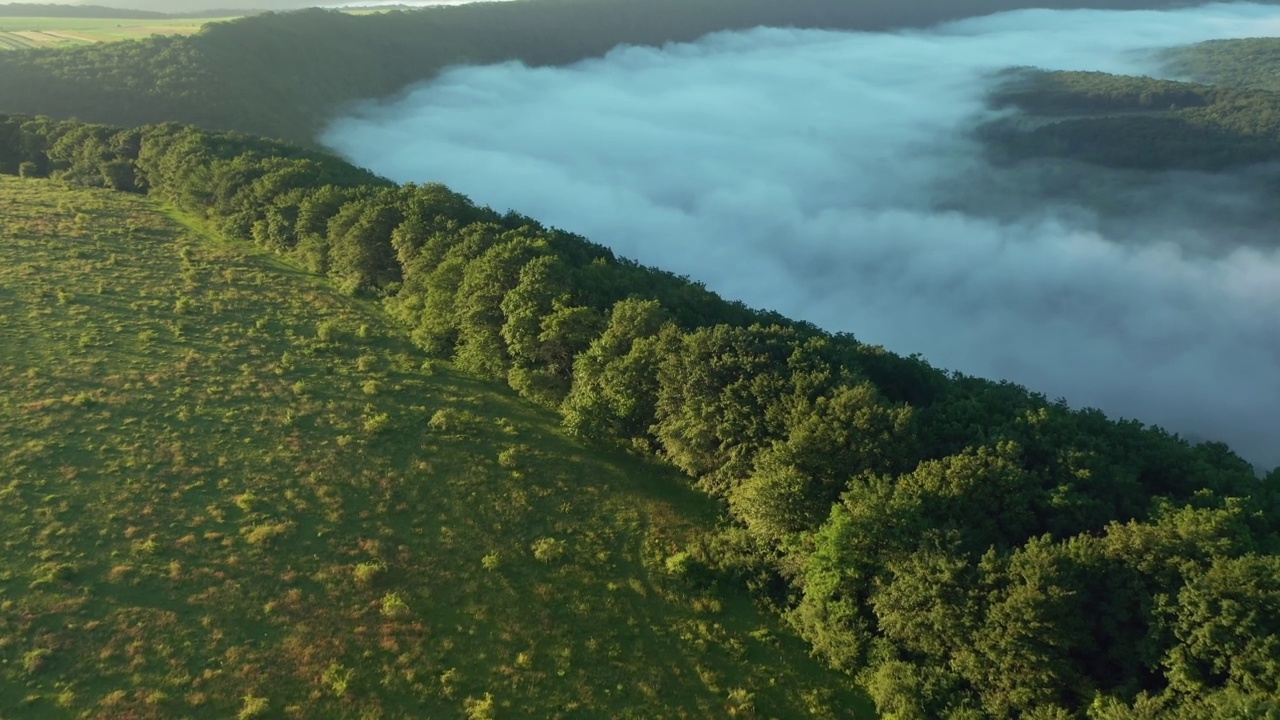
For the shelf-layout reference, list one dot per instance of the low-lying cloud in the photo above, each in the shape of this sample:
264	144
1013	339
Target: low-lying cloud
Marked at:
832	176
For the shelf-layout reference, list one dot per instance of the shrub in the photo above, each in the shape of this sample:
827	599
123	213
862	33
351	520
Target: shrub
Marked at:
442	420
511	457
246	500
548	549
448	681
265	534
741	702
66	698
377	422
679	564
394	606
51	573
689	568
34	660
253	707
337	679
453	421
367	572
481	709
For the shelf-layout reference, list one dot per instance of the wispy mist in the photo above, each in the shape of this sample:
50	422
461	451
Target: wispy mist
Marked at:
832	176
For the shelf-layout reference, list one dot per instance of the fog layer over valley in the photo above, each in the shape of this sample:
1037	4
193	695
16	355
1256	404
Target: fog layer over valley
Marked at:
833	177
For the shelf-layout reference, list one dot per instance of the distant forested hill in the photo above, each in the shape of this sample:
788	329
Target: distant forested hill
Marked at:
1249	63
962	548
1144	123
285	75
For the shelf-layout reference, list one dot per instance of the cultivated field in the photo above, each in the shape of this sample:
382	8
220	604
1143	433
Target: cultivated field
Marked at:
229	492
25	32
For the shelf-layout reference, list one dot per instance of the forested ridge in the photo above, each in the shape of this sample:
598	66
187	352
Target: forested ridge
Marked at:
962	548
1141	122
286	75
1247	63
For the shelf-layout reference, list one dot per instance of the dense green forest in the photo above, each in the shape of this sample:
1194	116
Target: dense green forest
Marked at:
286	75
1248	63
1141	122
961	548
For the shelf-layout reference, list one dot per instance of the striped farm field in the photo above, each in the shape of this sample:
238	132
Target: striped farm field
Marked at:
31	32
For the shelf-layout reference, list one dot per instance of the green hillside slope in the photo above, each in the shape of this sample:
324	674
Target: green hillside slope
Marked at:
229	491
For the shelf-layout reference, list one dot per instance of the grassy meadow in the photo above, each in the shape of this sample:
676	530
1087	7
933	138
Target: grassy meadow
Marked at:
17	33
227	491
28	32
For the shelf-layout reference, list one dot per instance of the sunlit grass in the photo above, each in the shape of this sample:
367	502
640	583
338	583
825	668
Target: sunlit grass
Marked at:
25	32
227	491
17	33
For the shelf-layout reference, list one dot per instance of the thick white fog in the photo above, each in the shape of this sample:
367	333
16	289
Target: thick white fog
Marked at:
830	176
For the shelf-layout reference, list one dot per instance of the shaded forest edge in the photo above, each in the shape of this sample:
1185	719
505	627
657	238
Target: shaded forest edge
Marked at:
286	75
962	548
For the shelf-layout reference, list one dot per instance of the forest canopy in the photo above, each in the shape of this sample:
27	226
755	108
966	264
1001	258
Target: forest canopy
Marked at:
1252	63
1136	122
